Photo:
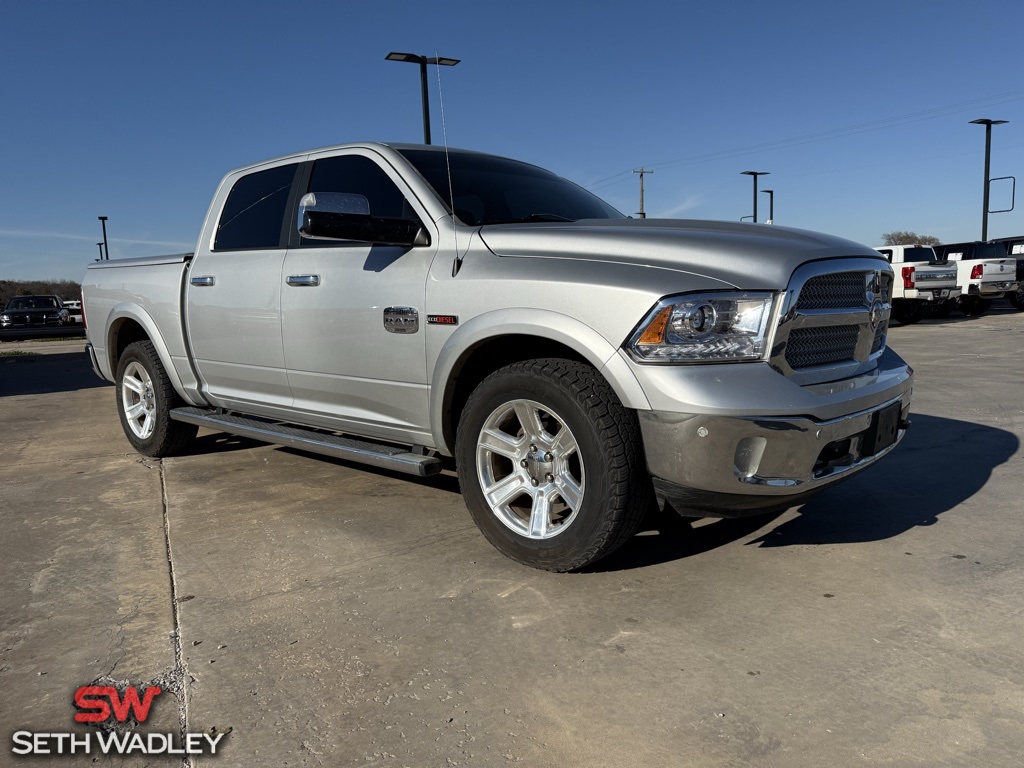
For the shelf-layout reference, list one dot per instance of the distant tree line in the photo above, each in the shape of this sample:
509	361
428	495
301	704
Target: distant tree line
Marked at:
64	289
909	238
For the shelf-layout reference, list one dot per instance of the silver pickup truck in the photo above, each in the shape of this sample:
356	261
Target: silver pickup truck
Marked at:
401	305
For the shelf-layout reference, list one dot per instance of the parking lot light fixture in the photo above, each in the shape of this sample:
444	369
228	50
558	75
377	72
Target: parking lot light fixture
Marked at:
754	175
771	204
106	247
988	154
413	58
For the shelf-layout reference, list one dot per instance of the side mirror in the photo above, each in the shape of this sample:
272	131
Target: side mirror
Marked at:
345	216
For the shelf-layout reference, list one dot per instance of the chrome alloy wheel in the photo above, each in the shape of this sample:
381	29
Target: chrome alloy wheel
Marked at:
138	400
530	471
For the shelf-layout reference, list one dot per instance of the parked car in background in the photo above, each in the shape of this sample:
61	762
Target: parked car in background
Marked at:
74	308
984	273
1015	250
34	312
921	282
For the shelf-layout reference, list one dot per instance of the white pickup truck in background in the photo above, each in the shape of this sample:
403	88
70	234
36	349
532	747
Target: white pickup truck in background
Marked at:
983	273
921	282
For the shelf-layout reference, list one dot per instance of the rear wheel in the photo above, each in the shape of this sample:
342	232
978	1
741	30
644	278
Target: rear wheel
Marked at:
145	398
551	464
1017	298
973	306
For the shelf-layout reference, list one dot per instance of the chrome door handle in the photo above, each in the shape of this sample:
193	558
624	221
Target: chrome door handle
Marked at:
312	280
203	280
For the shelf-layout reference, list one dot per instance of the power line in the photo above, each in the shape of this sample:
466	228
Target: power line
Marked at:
834	133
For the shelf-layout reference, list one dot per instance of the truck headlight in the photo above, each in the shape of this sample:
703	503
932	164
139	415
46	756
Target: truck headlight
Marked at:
704	328
5	318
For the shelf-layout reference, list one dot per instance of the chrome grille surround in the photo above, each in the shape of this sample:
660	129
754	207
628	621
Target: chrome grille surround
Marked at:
833	320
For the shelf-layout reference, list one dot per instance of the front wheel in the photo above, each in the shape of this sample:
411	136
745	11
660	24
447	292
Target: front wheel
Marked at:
145	398
551	464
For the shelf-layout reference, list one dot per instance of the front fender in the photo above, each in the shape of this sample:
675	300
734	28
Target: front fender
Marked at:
518	321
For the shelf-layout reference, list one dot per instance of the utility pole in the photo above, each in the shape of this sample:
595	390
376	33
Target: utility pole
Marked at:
641	171
101	251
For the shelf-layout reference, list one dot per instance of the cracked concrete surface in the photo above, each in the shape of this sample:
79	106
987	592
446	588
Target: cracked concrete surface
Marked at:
332	615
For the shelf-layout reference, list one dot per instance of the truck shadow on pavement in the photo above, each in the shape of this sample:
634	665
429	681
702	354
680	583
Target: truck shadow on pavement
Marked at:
940	464
37	374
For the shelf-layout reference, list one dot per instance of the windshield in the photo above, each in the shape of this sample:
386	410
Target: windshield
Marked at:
495	190
33	302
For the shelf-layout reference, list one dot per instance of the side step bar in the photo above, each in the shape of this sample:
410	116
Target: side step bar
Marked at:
364	451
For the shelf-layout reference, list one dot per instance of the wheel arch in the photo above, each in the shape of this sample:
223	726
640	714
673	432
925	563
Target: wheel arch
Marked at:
496	339
128	323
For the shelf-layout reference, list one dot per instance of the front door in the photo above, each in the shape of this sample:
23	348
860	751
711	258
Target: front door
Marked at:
346	369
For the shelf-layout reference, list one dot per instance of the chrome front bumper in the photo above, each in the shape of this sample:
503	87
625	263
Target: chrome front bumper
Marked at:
726	466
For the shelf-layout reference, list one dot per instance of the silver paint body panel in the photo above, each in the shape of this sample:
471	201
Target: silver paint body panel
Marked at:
319	354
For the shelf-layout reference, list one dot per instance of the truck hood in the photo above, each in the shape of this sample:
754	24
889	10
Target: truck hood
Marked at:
746	256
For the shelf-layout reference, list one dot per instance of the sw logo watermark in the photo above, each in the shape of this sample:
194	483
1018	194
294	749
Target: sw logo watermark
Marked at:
115	710
92	700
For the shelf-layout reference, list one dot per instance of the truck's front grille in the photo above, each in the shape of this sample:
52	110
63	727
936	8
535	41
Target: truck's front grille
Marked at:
828	345
838	290
879	340
834	319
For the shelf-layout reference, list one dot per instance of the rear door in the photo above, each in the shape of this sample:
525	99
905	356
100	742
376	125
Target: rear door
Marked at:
233	294
346	369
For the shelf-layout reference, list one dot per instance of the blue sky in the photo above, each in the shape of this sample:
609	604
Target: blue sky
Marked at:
860	111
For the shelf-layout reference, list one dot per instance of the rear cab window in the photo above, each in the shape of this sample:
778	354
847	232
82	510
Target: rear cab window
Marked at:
254	212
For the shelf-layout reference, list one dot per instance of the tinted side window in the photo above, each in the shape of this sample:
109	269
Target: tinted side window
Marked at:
887	253
359	175
254	212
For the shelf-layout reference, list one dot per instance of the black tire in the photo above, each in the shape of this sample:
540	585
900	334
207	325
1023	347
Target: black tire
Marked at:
974	306
907	312
582	443
942	310
1017	298
144	400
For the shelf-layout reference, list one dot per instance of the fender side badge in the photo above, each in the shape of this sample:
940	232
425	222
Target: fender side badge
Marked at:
442	319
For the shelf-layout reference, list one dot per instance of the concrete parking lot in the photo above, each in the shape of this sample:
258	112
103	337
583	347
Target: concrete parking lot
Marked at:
325	614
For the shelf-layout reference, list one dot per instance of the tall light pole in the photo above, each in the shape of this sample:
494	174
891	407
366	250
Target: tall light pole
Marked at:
106	247
641	171
771	203
754	175
988	154
413	58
